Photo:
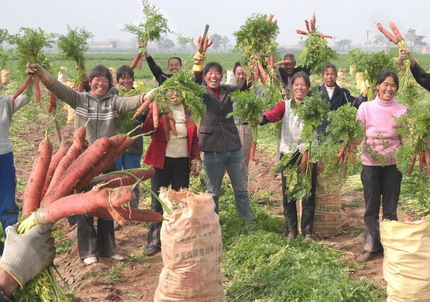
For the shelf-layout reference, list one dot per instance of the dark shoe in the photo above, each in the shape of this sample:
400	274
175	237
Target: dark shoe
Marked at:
367	256
151	250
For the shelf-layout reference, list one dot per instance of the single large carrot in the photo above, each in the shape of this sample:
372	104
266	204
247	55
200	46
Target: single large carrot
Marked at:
36	88
172	123
301	32
263	75
165	127
308	28
77	147
341	154
427	160
422	160
142	108
136	61
52	102
386	33
270	18
313	22
106	162
396	32
77	170
252	155
155	114
304	162
33	189
121	214
83	203
23	87
55	160
412	164
326	36
121	178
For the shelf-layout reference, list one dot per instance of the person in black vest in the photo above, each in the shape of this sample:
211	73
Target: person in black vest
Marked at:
288	70
336	95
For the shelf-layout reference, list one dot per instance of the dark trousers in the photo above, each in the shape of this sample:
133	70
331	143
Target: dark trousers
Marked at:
176	173
92	243
308	205
379	182
8	208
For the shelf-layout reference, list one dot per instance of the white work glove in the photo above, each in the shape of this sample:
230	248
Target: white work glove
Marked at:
150	94
195	167
26	255
45	77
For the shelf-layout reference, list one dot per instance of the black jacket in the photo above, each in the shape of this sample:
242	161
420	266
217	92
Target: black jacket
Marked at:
159	75
340	97
284	75
421	76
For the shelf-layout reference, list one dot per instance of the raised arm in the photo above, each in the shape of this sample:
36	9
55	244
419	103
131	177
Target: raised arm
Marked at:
155	69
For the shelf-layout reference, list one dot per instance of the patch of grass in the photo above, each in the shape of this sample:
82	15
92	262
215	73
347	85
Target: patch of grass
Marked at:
63	247
357	203
114	274
353	183
260	265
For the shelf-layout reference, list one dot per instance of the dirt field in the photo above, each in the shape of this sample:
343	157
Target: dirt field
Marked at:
136	278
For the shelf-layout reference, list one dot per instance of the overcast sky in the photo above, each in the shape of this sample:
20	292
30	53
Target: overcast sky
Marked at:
344	19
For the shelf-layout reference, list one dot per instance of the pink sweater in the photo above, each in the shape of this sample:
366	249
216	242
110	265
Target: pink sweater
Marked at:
379	118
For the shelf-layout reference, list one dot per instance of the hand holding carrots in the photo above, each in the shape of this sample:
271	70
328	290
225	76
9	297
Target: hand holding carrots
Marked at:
204	45
26	255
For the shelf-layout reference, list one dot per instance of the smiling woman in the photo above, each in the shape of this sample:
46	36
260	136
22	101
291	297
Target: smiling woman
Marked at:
98	111
380	176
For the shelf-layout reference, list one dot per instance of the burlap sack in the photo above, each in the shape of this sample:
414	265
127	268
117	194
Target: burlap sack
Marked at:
406	260
328	198
5	77
191	247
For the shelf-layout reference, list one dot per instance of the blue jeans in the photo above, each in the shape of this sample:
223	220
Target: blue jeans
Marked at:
130	161
8	208
231	161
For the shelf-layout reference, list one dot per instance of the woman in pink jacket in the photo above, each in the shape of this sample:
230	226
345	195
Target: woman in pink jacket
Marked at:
380	177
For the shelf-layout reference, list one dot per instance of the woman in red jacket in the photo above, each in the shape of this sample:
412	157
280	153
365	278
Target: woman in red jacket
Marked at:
173	158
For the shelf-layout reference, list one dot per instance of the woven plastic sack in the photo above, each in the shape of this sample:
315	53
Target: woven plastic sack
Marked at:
191	248
406	260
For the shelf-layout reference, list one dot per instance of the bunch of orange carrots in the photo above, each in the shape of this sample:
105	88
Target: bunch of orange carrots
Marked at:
396	38
55	180
345	155
311	28
424	161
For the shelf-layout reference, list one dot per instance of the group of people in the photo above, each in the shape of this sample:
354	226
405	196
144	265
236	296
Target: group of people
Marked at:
221	143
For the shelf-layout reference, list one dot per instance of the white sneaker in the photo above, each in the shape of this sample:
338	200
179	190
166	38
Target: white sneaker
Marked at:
117	257
90	260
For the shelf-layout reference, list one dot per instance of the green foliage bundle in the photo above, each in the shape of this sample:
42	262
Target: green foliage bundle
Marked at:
316	53
257	36
415	132
73	46
29	44
343	132
372	64
190	94
152	26
3	55
312	112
